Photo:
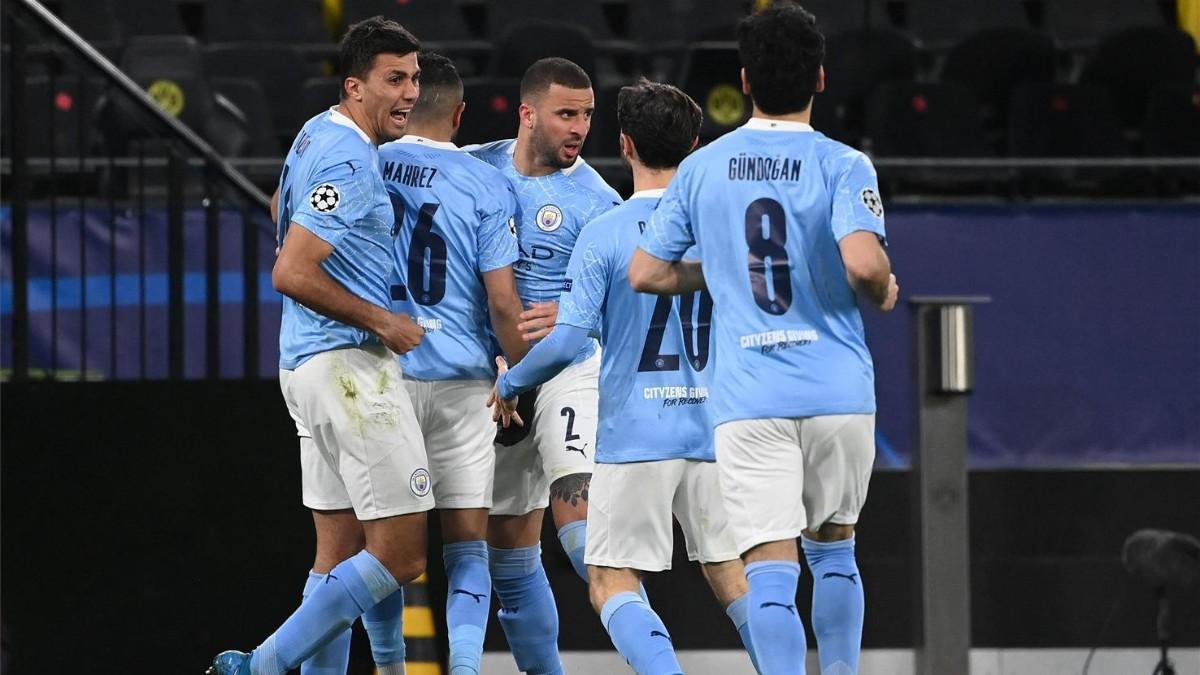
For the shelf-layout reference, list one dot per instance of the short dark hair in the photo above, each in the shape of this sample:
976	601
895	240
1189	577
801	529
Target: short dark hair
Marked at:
661	120
553	70
781	50
369	38
441	87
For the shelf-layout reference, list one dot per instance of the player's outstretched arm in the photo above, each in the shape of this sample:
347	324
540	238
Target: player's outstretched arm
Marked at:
504	305
649	274
547	359
298	275
868	269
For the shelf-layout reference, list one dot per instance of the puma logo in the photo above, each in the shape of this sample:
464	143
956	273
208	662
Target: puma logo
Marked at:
659	633
478	596
571	448
848	577
790	608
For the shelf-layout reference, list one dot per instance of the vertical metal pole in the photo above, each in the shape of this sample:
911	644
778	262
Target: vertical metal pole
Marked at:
18	129
942	583
212	275
175	200
250	295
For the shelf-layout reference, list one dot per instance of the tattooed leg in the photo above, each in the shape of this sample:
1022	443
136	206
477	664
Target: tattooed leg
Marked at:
569	502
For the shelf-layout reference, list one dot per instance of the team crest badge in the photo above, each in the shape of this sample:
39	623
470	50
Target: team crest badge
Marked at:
871	200
325	198
549	218
419	482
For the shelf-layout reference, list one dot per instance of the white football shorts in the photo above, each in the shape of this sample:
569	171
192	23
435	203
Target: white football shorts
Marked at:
630	509
780	476
458	430
360	446
559	441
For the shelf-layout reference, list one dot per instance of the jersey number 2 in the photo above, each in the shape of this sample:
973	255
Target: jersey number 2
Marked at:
426	248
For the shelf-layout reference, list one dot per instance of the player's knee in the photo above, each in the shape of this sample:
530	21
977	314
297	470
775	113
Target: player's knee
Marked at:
405	566
830	532
569	497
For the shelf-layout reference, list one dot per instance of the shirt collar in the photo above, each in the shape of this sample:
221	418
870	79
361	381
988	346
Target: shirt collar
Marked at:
421	140
762	124
339	118
656	193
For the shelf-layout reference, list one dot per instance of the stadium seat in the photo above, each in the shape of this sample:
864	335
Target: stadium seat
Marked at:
296	22
840	16
491	112
170	68
712	76
251	101
1081	23
1132	61
317	94
910	119
1063	120
991	62
526	42
1172	125
939	24
855	62
277	67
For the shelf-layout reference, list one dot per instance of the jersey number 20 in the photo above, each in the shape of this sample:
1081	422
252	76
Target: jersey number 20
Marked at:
695	333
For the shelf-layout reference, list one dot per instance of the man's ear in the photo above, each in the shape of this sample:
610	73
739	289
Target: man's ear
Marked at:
353	88
745	83
628	149
456	118
527	115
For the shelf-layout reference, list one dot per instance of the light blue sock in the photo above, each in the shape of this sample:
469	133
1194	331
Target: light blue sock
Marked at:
467	604
573	537
639	635
837	603
334	657
353	587
527	613
385	626
736	611
775	627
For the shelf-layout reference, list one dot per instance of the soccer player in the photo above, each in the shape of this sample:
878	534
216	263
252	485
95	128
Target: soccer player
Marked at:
362	456
789	226
549	458
454	255
654	453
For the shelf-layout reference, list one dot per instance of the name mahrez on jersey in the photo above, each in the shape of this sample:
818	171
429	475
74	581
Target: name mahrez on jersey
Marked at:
746	167
412	175
776	340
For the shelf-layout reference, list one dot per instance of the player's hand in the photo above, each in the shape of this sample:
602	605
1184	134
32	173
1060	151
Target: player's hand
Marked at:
400	333
538	320
893	294
504	410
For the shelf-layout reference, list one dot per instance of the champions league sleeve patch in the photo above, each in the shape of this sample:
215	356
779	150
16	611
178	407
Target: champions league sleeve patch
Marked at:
512	226
324	198
871	200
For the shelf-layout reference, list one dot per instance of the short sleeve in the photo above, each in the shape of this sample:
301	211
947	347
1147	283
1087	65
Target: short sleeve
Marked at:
669	233
337	199
586	284
856	201
497	234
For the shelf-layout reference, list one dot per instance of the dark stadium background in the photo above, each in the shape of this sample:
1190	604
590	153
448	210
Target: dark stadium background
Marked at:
1045	153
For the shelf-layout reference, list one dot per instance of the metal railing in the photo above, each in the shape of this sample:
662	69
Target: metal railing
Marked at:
134	250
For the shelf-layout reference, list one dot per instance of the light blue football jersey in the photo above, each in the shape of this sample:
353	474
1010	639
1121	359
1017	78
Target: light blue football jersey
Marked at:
455	218
654	369
766	205
551	212
331	187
